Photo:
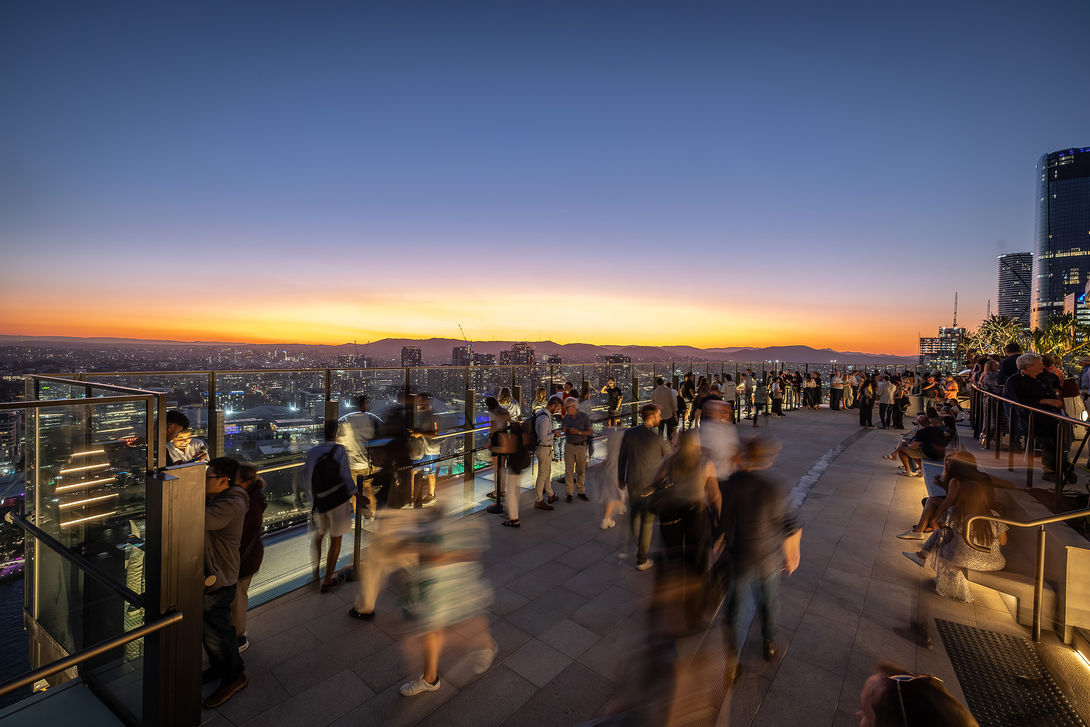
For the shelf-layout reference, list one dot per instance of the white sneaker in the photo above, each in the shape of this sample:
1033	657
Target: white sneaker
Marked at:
607	523
485	657
419	686
646	565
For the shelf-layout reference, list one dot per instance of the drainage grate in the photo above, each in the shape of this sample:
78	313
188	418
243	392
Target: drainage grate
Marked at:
1004	681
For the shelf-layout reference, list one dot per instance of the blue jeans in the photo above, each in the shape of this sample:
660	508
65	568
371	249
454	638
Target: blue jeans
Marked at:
219	637
768	607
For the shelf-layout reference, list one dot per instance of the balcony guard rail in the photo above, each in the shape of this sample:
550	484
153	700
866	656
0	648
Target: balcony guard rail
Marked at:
1039	570
76	559
988	420
167	620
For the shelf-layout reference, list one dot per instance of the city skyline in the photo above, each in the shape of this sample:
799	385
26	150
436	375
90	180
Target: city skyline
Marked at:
611	174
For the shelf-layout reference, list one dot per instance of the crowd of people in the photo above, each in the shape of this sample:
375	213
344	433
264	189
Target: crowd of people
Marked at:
725	531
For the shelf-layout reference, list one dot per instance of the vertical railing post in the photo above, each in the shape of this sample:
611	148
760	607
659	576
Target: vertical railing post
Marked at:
467	445
216	420
1029	450
408	382
174	572
1039	585
1010	432
635	398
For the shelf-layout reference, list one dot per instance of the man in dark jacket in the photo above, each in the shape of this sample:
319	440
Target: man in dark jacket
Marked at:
761	539
225	509
1026	387
642	450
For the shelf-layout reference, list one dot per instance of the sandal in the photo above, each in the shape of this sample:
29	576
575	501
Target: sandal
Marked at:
338	580
888	456
491	495
512	523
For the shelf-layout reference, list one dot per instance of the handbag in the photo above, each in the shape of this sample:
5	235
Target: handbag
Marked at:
657	496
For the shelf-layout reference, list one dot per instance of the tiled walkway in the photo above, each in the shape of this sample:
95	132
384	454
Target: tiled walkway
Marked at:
567	608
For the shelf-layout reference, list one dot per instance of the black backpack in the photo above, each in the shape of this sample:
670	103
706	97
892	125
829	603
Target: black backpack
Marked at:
326	486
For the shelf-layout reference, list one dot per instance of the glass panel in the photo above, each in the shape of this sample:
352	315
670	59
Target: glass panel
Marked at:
86	488
271	418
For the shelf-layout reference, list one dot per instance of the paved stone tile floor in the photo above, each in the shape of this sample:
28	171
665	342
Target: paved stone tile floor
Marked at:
569	608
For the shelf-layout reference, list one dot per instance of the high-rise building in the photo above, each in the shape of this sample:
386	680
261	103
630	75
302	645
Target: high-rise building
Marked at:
1062	250
521	354
484	359
552	358
461	356
1015	294
411	356
941	352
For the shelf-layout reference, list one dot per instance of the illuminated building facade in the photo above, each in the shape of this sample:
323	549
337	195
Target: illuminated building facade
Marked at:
1062	251
1015	289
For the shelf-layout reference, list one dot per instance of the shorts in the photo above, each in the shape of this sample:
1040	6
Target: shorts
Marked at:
426	464
336	522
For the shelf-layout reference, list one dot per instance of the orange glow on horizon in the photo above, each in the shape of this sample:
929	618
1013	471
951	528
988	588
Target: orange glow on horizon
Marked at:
560	317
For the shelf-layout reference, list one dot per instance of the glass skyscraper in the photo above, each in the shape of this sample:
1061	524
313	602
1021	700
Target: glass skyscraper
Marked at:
1062	247
1015	289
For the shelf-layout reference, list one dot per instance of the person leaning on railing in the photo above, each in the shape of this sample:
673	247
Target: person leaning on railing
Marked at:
1028	388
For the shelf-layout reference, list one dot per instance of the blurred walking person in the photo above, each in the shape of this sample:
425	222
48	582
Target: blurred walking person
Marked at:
761	539
642	451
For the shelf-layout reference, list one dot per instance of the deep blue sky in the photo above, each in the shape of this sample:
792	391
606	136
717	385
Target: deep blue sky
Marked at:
794	166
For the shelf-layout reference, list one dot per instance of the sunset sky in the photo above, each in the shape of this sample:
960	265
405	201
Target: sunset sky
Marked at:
607	172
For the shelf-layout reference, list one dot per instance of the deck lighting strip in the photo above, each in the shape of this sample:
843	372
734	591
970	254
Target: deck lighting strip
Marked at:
81	485
86	467
89	500
85	519
90	451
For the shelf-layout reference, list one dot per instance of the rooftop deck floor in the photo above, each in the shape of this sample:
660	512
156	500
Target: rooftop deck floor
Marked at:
567	610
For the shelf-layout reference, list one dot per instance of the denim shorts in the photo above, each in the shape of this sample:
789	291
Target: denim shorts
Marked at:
426	464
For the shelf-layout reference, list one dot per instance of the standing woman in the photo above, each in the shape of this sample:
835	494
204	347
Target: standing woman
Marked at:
540	400
513	408
817	390
499	421
777	397
586	407
251	550
685	513
865	401
730	393
808	391
900	403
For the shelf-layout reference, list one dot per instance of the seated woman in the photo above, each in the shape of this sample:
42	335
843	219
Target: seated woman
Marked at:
970	493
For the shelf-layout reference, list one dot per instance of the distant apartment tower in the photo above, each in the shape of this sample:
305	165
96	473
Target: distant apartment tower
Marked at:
411	356
1062	231
1015	293
521	354
484	359
461	356
941	352
552	359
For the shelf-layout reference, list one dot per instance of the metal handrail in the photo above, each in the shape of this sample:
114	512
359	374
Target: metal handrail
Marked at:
1062	417
1039	572
79	561
168	619
94	401
91	384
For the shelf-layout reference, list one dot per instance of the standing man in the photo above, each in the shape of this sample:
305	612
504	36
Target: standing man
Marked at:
543	427
332	488
688	395
1026	388
357	431
642	450
225	507
665	399
836	391
577	430
762	539
884	393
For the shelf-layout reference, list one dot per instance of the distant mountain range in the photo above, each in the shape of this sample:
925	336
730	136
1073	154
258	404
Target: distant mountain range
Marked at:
438	350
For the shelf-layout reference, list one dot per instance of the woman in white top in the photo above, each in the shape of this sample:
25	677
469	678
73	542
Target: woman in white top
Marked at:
509	404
